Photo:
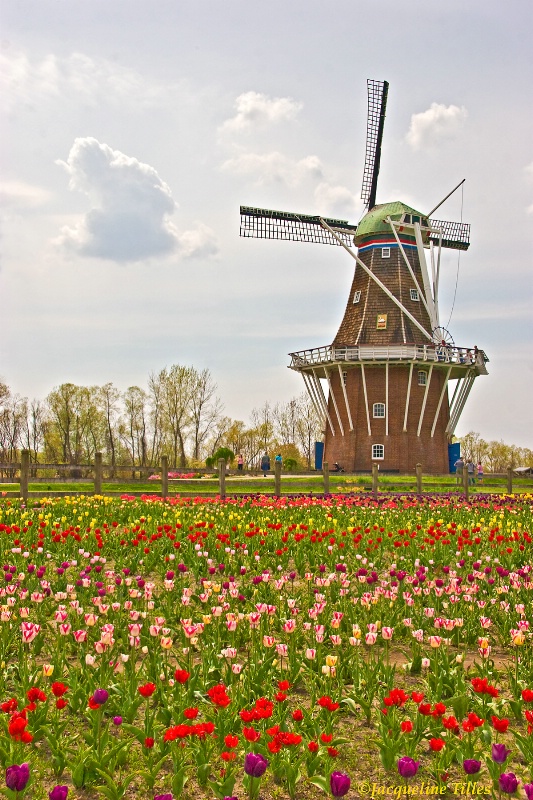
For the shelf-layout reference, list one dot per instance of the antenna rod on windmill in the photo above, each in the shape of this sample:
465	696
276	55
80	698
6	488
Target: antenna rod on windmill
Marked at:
448	195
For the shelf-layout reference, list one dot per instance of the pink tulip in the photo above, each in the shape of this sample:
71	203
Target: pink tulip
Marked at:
29	631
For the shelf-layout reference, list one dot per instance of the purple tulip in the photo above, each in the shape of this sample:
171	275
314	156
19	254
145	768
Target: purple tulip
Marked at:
528	789
508	782
163	797
117	721
227	797
499	753
407	767
58	793
17	777
255	764
471	766
339	784
100	696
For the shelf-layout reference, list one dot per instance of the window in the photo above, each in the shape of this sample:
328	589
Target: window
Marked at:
385	252
416	219
378	451
407	218
344	377
414	294
379	410
422	377
356	296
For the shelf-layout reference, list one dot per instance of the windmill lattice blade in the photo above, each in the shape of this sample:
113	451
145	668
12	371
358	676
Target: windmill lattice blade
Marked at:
455	235
261	223
377	103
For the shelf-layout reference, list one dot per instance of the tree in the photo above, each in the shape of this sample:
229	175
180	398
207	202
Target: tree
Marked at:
308	427
107	398
133	424
177	384
206	409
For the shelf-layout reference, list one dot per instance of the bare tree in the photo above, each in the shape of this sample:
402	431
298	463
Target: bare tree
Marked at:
178	384
133	425
308	427
206	409
34	427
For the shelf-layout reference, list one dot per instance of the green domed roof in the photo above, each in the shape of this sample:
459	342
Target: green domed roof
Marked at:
374	222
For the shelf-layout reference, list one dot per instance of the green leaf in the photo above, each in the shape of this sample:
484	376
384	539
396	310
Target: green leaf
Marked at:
321	782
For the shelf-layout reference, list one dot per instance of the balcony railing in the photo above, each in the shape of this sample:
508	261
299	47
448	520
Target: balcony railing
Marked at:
452	355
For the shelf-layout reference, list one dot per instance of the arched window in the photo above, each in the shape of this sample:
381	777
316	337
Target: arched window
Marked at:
422	377
378	451
379	410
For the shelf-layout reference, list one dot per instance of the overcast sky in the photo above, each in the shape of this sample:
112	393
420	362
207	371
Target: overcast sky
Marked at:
132	130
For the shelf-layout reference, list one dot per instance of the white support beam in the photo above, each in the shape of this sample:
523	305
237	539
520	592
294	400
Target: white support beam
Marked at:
323	401
328	378
314	400
377	281
468	382
366	399
349	413
408	396
422	410
458	402
408	264
387	399
425	276
441	398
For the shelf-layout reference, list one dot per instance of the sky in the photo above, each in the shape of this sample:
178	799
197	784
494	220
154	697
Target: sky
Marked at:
131	131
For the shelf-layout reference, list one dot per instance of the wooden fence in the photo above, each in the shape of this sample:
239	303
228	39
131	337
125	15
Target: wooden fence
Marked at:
379	484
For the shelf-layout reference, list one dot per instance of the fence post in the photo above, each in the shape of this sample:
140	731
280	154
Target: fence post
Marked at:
164	476
419	478
277	478
24	473
509	480
222	478
325	472
466	485
375	474
98	473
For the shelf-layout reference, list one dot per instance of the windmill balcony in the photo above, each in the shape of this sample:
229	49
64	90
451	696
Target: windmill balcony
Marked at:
460	359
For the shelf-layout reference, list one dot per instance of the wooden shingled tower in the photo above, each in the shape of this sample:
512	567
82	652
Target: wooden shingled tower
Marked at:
382	386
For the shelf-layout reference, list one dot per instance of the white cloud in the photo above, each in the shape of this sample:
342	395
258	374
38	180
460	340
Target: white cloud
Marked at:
437	123
28	82
20	195
529	174
337	201
131	206
255	109
274	168
199	242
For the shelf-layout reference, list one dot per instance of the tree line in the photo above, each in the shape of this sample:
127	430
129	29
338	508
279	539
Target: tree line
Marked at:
494	456
178	414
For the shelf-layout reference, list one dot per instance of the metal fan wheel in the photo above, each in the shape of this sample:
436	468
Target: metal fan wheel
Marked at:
442	337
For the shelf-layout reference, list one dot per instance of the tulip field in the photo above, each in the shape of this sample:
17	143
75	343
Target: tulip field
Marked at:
257	647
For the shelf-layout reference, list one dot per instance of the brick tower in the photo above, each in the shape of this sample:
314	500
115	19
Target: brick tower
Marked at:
388	369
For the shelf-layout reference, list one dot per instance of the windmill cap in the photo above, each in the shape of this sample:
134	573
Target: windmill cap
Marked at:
374	222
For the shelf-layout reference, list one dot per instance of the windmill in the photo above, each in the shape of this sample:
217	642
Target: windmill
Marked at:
388	370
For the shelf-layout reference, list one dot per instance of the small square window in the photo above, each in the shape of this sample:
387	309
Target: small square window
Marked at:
414	294
379	410
356	296
378	451
385	252
422	377
344	377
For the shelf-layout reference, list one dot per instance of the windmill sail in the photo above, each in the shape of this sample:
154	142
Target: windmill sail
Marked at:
262	223
455	235
377	103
